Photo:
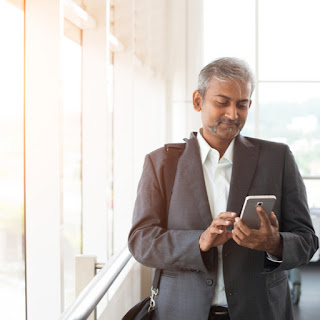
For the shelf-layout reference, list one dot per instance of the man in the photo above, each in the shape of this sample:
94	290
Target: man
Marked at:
209	271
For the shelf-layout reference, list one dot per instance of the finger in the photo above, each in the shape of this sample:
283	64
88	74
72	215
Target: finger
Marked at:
263	217
220	222
239	233
273	220
227	215
215	230
241	242
232	220
242	227
238	239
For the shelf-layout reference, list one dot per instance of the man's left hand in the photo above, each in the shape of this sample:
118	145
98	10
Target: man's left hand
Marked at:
267	238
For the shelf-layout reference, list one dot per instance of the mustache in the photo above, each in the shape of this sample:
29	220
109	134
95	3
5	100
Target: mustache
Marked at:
235	122
228	121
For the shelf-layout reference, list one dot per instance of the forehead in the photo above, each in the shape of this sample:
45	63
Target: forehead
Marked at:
232	89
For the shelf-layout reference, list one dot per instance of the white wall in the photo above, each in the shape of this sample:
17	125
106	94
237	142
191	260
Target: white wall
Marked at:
184	57
43	158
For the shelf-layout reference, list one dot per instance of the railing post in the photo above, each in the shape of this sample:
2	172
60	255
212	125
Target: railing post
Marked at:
92	294
85	272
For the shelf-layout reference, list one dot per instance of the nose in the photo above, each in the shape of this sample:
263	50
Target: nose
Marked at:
231	112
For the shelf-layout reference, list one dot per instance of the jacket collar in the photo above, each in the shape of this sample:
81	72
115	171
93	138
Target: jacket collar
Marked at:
244	165
191	170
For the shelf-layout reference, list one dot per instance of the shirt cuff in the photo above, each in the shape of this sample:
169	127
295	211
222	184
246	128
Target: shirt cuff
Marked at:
273	258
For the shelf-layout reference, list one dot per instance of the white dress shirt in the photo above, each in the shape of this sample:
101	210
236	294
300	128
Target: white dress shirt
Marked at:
217	176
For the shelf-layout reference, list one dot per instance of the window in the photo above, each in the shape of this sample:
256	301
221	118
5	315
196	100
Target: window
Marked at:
284	56
289	83
288	49
12	238
72	157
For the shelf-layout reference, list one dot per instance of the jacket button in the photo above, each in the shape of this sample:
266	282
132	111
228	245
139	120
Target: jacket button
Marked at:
209	282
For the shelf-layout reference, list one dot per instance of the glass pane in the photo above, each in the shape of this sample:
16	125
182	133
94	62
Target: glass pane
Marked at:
72	162
290	113
249	128
313	188
229	30
288	45
12	240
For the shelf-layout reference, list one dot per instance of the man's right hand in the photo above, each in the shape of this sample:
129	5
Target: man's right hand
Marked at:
217	234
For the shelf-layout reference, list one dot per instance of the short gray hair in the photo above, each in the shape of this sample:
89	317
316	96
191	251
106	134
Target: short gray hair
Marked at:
225	69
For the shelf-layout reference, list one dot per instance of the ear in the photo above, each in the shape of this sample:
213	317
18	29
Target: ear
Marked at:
197	101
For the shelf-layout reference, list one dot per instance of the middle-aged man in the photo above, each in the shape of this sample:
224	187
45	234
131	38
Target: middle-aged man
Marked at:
209	271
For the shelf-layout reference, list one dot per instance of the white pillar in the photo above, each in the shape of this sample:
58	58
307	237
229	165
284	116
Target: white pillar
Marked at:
95	136
44	31
123	166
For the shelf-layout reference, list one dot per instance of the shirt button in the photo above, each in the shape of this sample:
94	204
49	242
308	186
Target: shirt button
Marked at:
209	282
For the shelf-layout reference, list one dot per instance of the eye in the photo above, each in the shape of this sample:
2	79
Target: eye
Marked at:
222	103
242	106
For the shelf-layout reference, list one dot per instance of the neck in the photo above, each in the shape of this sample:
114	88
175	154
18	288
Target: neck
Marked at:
221	145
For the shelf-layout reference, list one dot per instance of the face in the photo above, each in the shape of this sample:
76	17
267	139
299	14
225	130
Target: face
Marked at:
224	109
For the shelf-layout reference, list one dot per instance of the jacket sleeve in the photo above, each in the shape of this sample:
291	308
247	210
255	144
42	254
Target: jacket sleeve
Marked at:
149	241
299	240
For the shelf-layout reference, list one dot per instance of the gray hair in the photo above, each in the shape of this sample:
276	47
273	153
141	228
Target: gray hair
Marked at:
225	69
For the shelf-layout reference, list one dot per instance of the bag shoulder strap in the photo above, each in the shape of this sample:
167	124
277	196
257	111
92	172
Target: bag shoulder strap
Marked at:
173	153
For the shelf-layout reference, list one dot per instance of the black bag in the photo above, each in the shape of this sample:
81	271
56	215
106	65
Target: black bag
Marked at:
144	309
140	311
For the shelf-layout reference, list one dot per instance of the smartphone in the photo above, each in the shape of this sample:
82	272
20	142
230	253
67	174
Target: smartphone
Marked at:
249	213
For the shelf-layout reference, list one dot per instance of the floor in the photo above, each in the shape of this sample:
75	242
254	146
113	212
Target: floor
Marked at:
309	305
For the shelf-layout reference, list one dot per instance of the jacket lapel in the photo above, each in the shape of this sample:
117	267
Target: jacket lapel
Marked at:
190	162
244	166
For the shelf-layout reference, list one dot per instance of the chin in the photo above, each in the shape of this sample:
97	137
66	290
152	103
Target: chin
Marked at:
226	133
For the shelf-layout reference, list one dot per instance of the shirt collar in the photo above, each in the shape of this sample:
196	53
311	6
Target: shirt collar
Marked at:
205	149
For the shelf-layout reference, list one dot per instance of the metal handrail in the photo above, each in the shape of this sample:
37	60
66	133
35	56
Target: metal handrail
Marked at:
311	177
91	295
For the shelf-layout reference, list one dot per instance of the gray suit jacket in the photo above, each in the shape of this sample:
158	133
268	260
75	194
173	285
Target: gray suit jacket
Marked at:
256	288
